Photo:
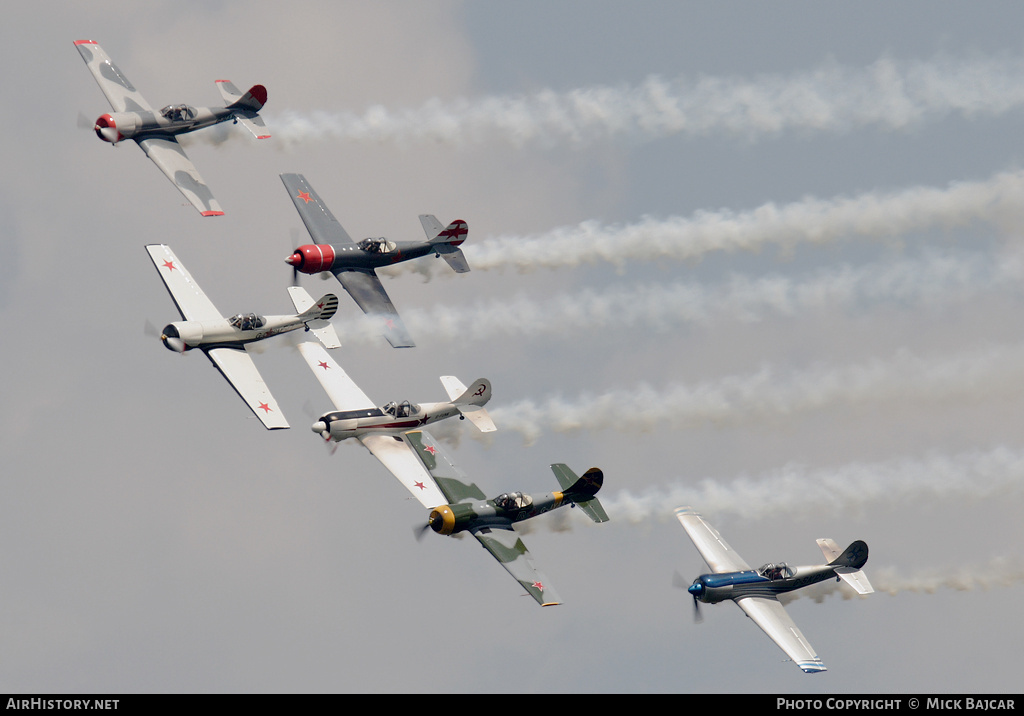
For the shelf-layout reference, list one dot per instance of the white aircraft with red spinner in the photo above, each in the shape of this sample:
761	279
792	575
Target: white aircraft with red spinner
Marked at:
225	341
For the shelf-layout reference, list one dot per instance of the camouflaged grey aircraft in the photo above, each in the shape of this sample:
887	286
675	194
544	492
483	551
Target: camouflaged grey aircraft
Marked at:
756	591
226	341
353	263
491	521
155	131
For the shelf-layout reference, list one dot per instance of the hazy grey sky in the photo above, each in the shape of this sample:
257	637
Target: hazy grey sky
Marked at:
763	258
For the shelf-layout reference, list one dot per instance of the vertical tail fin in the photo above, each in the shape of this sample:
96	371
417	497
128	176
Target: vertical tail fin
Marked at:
471	401
577	489
848	564
445	240
246	106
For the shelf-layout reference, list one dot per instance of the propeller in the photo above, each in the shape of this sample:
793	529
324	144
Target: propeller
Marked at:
291	259
418	532
679	581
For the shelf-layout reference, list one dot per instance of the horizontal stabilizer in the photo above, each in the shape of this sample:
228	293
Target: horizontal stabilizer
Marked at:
454	256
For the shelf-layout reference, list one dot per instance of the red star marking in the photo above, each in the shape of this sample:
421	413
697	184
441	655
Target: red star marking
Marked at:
169	265
420	485
323	364
264	407
431	449
320	305
304	196
538	585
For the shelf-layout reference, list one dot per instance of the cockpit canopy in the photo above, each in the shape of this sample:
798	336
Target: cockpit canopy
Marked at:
378	245
178	112
247	321
513	500
776	571
404	409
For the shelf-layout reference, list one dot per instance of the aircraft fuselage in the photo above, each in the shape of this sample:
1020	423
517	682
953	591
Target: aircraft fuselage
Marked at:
185	335
340	425
359	256
114	127
712	588
451	519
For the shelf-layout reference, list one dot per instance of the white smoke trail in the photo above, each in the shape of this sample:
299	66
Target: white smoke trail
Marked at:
997	201
887	95
997	573
766	395
795	490
936	279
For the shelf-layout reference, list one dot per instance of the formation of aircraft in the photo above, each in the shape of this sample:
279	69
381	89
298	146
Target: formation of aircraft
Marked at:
381	429
756	591
155	131
225	340
466	509
394	432
353	263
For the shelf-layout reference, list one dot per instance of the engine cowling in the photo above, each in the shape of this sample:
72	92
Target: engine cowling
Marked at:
115	127
312	258
180	337
449	519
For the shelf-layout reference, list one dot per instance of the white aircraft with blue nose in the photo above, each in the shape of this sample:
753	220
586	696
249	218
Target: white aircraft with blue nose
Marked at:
756	591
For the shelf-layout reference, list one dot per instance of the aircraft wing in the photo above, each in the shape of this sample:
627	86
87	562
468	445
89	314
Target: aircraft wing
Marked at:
123	97
341	389
451	480
398	457
770	615
167	154
506	547
319	221
368	292
236	365
715	551
192	303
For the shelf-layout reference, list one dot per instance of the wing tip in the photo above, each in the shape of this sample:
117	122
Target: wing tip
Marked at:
812	667
212	213
85	42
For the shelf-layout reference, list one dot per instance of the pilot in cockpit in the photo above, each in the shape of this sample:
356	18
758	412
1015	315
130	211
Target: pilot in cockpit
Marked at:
513	500
404	409
776	571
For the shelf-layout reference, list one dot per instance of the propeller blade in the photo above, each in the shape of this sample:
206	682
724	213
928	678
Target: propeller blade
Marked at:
697	618
418	532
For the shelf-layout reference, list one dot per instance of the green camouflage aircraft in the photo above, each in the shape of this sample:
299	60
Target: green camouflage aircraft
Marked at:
491	521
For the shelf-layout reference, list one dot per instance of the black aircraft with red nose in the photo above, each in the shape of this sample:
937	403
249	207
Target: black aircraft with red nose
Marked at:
354	263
